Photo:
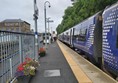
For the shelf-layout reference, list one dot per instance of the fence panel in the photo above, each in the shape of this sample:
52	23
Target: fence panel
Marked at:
14	47
28	46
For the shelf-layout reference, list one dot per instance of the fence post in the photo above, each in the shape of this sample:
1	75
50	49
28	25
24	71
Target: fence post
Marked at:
11	69
34	46
1	45
20	48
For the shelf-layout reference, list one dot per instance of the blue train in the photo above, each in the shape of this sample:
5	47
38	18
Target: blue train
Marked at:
97	37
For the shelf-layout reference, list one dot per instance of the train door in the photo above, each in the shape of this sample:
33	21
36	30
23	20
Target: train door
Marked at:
98	40
70	37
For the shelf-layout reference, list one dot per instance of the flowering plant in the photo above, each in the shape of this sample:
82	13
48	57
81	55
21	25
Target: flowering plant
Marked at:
42	51
28	67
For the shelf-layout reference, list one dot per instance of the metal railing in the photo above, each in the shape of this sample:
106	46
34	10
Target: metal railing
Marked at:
14	47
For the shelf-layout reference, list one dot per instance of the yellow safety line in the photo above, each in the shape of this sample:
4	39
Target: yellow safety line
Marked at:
79	74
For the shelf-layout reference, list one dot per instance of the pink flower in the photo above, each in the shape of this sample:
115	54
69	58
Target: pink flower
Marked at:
41	50
28	59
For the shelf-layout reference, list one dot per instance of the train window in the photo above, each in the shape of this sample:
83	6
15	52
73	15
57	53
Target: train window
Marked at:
76	33
66	33
82	35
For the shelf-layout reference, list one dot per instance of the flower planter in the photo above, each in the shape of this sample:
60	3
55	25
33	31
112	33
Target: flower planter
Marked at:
24	79
26	70
42	54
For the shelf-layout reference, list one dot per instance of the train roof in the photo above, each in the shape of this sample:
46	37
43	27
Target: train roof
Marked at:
88	19
111	7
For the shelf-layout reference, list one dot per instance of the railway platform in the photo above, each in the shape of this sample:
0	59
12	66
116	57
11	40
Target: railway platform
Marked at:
54	67
62	65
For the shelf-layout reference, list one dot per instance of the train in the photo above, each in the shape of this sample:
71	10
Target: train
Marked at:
97	38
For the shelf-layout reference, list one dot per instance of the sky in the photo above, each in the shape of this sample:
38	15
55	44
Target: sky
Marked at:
24	10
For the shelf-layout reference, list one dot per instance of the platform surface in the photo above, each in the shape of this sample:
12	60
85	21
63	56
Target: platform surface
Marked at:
63	65
54	67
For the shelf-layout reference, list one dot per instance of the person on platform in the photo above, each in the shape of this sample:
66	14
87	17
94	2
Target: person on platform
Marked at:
54	36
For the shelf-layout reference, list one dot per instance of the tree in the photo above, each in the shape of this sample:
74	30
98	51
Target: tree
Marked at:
81	10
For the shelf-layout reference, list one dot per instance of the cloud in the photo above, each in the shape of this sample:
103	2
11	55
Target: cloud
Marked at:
24	9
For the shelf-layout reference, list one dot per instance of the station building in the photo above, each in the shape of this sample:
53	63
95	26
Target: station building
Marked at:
15	25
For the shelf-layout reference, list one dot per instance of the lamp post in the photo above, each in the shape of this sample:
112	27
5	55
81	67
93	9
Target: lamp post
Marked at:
45	22
36	33
48	21
48	24
51	30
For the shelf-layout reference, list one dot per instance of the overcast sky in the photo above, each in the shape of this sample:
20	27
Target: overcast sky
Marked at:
24	9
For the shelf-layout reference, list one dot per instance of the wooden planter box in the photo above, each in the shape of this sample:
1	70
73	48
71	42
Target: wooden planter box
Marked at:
42	54
24	79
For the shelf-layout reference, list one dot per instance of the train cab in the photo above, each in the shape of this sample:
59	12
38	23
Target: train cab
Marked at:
110	39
